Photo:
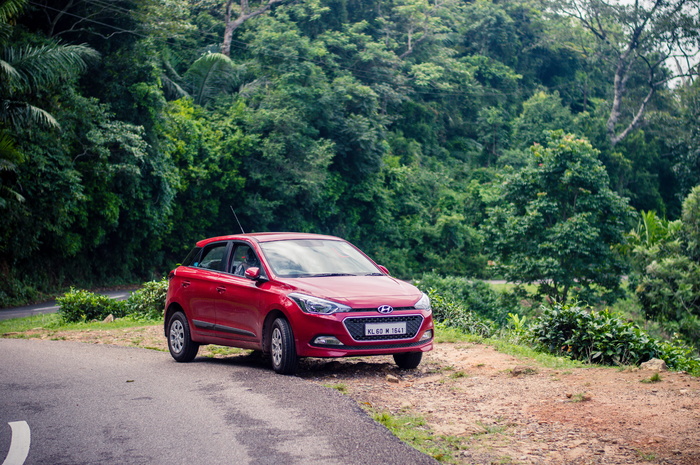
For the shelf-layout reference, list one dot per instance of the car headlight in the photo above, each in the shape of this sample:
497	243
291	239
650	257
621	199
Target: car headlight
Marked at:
311	304
423	303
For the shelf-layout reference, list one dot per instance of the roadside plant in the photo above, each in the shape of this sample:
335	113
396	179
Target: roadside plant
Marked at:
555	221
605	338
594	337
474	295
456	314
149	301
82	306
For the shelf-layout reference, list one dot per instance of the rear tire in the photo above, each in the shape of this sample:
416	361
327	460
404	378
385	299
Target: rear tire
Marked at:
408	360
180	344
282	349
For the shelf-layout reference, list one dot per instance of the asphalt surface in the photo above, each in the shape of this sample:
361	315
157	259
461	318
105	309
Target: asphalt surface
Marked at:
51	307
98	404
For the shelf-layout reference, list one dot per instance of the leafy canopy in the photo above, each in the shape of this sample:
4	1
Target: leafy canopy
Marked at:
556	220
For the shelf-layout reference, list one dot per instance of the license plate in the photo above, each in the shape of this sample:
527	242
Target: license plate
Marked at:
385	329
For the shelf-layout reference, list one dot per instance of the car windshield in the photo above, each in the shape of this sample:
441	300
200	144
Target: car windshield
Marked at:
315	258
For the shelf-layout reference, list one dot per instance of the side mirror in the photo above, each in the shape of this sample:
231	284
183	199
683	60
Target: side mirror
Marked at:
384	270
253	273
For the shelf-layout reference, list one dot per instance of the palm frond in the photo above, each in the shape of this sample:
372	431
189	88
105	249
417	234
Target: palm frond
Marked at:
172	89
211	74
48	64
8	72
9	155
10	9
20	114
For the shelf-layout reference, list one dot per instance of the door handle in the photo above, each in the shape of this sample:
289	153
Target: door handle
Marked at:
221	289
186	283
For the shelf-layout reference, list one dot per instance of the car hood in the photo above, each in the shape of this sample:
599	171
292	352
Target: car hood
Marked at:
359	291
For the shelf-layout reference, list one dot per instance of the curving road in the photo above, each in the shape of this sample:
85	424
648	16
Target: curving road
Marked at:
97	404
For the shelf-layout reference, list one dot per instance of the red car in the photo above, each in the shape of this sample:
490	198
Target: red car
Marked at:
293	295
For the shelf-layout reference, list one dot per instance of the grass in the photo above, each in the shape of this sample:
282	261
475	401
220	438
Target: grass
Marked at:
526	352
223	351
16	326
415	431
655	378
580	397
646	456
340	387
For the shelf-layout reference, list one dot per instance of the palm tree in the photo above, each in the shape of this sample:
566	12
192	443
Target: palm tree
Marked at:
24	71
210	75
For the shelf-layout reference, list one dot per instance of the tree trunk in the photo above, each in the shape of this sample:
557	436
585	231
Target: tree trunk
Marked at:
244	15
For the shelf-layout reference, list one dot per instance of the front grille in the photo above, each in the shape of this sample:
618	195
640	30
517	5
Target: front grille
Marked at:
356	327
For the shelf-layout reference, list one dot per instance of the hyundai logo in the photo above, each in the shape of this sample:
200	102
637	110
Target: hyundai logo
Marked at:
385	309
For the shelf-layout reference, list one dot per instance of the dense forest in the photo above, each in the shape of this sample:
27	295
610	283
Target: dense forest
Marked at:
542	141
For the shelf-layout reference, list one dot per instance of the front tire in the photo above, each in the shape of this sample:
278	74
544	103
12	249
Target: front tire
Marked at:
282	349
408	360
180	344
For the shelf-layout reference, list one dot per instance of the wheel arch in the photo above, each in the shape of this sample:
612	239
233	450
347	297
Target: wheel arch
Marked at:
271	316
174	307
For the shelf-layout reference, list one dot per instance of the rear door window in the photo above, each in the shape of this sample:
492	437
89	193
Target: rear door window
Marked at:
214	257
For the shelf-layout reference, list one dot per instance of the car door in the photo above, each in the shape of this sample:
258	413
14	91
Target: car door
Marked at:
238	310
203	289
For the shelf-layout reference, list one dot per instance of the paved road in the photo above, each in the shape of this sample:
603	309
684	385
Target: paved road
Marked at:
51	307
98	404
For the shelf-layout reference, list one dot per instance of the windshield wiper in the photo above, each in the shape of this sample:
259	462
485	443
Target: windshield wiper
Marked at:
324	275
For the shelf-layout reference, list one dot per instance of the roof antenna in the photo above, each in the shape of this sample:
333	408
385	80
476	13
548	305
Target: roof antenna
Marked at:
236	216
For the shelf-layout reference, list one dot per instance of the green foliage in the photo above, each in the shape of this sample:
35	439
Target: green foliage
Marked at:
391	124
80	305
455	295
605	338
595	337
456	315
557	220
148	302
666	273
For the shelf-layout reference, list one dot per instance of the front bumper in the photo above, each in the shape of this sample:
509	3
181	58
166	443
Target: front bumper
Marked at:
347	329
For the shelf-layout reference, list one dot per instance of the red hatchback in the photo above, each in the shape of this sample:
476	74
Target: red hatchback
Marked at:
293	295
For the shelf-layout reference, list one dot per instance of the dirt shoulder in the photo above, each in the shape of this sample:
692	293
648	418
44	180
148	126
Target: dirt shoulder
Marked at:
496	409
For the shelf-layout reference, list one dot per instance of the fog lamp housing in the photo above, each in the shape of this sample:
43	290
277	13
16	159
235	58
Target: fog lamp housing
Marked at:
427	335
327	341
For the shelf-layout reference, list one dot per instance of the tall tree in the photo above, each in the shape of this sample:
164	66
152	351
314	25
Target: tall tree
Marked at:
24	72
556	221
641	40
243	11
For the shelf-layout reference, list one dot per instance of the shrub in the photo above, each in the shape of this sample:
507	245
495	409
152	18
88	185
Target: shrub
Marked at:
80	305
149	301
605	338
474	296
597	337
456	315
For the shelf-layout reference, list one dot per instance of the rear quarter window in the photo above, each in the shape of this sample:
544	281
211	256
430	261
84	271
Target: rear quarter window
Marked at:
191	257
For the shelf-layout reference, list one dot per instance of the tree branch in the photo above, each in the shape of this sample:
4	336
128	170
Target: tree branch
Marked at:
243	16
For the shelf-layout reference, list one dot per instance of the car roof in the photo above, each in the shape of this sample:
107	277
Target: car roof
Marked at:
267	237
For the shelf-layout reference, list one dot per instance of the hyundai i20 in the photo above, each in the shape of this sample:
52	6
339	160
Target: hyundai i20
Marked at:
292	295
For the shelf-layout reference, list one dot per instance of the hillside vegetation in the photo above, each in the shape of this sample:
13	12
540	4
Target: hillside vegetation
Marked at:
547	142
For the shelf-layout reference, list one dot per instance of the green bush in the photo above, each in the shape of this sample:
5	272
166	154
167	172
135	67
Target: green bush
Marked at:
149	301
456	315
79	305
146	303
605	338
474	296
596	337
